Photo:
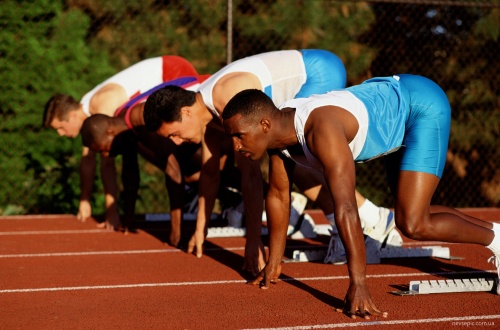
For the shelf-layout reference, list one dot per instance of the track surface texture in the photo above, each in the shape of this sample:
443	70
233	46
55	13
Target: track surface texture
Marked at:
59	273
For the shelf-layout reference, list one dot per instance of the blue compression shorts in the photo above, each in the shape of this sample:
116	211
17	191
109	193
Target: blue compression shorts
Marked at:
325	72
427	128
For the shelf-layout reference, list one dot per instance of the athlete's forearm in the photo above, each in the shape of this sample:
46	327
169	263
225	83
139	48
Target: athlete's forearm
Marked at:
278	213
87	172
207	194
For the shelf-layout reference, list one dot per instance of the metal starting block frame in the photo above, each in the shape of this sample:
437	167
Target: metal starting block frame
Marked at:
385	253
447	286
214	232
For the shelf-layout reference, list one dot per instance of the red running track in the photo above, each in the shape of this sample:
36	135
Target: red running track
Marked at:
58	273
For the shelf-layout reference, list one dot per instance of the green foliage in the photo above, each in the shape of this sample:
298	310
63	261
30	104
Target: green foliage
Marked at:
44	52
306	24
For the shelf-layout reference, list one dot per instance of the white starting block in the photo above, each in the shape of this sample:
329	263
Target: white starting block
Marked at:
214	232
447	286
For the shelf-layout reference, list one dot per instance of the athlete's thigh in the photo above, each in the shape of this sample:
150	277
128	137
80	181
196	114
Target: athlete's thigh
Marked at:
427	128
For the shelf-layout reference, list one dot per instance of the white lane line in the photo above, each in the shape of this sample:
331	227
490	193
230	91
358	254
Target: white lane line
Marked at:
92	253
58	232
146	285
464	321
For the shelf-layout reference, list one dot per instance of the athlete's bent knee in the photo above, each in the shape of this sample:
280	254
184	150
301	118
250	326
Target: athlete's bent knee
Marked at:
412	227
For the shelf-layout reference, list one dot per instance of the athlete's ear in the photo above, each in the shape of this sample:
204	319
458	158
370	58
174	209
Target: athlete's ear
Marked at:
265	123
186	111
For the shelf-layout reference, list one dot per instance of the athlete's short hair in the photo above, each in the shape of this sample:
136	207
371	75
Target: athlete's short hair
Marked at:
94	130
165	105
250	103
58	107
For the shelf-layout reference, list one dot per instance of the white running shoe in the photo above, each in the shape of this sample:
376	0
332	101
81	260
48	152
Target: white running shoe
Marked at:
495	260
383	227
393	239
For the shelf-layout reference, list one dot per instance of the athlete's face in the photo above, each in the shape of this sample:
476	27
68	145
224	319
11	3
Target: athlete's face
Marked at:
188	130
249	138
69	128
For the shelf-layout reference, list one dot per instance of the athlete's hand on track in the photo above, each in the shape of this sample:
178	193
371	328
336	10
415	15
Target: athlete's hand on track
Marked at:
268	275
255	257
175	237
358	303
196	242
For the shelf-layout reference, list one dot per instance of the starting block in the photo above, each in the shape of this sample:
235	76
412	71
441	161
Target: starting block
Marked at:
425	251
214	232
447	286
374	256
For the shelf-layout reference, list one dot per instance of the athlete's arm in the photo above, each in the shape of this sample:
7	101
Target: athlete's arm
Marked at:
208	187
107	99
278	215
175	188
252	187
230	85
109	180
87	172
130	180
251	180
336	129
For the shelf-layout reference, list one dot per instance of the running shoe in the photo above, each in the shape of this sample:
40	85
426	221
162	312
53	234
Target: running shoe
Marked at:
383	227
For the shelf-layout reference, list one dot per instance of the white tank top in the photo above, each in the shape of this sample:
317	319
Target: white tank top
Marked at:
304	107
281	74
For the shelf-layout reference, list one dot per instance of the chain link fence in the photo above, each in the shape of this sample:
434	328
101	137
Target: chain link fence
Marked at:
70	46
